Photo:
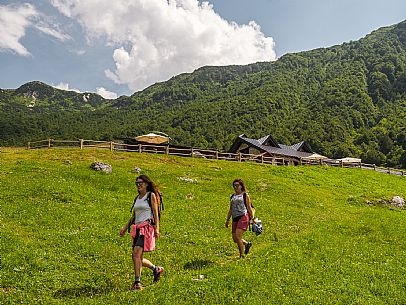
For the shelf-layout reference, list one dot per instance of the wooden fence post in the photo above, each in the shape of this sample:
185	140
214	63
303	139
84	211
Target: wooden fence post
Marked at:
341	163
388	170
139	148
217	155
191	152
28	145
167	149
262	158
374	167
111	146
239	157
81	143
301	162
49	143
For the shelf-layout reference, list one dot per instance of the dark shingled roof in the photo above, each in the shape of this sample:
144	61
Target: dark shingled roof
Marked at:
268	145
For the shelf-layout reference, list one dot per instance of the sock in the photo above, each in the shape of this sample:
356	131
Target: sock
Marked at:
137	279
153	268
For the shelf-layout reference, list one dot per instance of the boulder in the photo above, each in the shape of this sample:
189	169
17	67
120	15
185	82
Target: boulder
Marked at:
100	166
398	201
185	179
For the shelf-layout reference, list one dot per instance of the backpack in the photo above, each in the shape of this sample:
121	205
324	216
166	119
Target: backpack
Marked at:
160	208
160	204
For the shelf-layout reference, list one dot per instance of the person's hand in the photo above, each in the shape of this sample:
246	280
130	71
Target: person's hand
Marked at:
227	221
156	233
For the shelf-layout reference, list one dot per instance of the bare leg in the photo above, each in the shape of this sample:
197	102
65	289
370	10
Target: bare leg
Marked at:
157	271
237	238
147	263
137	260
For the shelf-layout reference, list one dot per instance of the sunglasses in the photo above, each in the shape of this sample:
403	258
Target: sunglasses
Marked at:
236	185
139	183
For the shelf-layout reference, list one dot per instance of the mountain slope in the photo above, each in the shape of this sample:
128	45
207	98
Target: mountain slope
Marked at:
344	100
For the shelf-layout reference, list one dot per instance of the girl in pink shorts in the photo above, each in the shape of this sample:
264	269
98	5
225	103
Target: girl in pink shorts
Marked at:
241	211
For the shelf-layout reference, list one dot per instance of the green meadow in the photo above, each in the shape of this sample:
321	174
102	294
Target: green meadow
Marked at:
327	239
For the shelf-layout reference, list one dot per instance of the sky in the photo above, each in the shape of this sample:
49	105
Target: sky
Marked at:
118	47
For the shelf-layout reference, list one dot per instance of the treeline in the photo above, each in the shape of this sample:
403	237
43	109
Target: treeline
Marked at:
347	100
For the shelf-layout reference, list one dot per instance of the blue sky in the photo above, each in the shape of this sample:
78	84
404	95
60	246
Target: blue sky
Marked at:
122	46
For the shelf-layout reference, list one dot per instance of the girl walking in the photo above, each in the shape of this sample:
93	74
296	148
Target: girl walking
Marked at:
241	211
144	225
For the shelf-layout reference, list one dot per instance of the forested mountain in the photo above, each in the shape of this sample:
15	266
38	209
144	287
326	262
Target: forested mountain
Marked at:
345	100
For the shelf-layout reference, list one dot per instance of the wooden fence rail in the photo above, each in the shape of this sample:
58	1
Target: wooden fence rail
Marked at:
202	153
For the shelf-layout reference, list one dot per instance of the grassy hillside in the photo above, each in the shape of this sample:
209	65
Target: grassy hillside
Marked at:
322	244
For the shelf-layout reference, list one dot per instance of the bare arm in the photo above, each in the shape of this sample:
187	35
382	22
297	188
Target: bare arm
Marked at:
125	228
128	224
228	216
249	208
154	205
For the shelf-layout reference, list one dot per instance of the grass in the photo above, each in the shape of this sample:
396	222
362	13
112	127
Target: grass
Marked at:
322	244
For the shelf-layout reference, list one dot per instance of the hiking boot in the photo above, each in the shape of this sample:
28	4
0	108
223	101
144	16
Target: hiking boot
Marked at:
136	286
247	247
157	273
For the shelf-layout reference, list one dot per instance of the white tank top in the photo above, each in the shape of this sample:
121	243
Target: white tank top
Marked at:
142	209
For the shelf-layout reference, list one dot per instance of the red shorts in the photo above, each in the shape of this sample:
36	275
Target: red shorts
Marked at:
241	223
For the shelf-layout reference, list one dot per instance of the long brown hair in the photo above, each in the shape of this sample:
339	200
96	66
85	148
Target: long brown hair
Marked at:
243	188
151	186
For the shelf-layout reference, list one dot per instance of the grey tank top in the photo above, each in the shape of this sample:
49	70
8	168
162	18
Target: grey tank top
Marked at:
237	205
142	210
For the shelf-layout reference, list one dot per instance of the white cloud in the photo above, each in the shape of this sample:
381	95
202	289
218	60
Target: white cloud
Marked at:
46	29
78	52
105	93
157	39
99	90
14	20
65	86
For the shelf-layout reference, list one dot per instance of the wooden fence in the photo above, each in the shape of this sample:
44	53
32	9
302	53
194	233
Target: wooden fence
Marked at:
203	153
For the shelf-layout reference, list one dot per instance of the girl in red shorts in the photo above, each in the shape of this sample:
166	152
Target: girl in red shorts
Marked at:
241	211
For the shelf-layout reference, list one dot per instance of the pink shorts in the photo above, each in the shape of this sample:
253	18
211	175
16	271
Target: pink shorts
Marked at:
242	223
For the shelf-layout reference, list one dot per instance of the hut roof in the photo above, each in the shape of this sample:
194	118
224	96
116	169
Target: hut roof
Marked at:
269	145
